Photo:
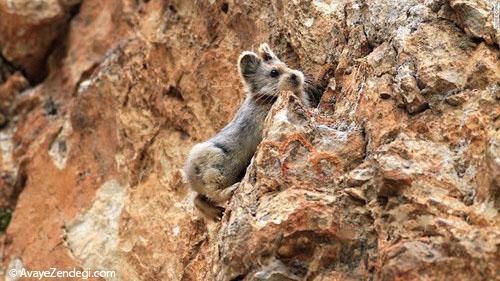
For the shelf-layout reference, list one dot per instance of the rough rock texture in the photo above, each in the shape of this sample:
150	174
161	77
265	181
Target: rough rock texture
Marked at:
29	29
396	175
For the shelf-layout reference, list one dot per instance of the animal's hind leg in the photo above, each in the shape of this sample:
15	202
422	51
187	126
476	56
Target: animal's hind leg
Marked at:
208	208
226	193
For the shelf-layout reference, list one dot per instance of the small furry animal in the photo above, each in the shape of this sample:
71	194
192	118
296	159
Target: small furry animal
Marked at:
215	167
313	90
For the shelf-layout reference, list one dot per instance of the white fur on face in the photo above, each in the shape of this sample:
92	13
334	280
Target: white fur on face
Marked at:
256	73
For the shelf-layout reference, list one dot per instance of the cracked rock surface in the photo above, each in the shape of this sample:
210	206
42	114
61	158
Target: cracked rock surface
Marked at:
395	176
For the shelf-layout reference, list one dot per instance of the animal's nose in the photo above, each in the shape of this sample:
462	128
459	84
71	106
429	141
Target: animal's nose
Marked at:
293	77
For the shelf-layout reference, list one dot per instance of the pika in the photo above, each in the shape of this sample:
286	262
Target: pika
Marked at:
215	167
312	90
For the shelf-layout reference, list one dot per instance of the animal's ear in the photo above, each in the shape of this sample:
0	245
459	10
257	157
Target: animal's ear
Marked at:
266	54
248	63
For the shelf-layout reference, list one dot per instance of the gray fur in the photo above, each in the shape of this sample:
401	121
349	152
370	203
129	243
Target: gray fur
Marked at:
313	90
215	167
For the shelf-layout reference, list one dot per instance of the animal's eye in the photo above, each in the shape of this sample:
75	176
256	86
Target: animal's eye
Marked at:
267	57
274	73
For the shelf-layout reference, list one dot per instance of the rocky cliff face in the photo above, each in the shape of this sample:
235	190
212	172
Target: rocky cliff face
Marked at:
394	177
